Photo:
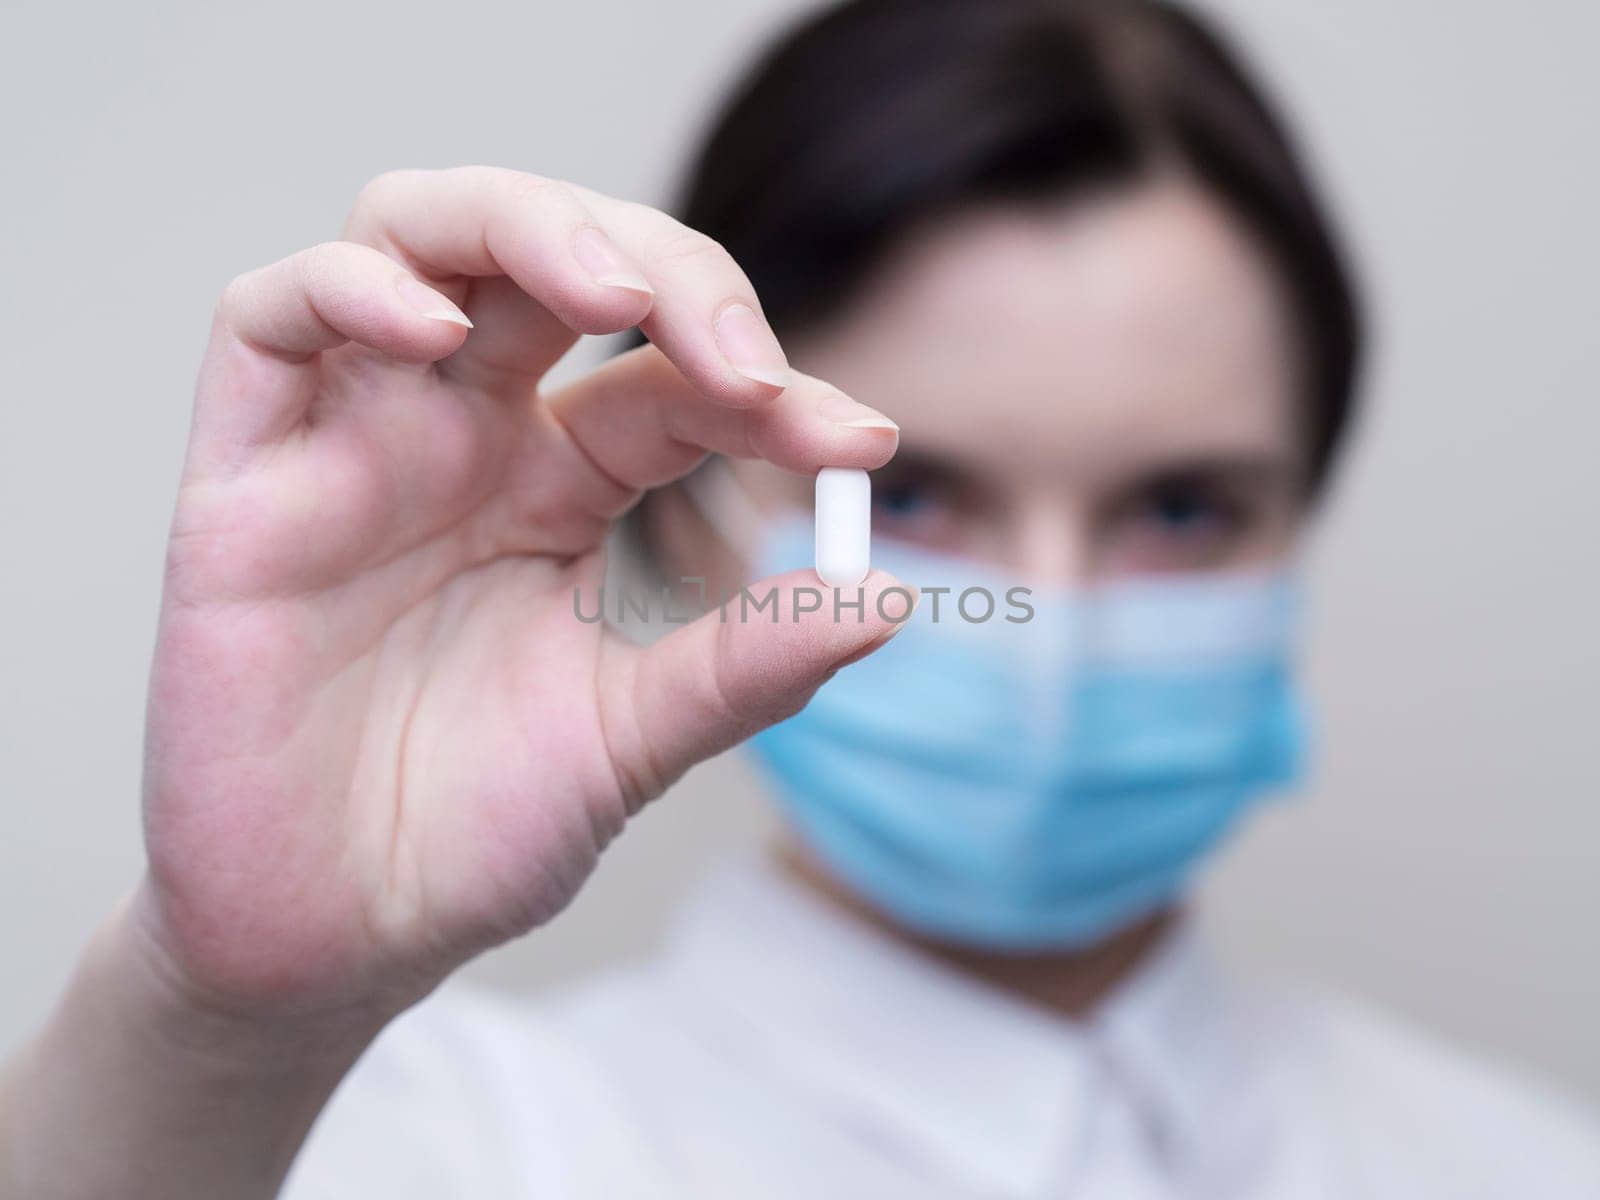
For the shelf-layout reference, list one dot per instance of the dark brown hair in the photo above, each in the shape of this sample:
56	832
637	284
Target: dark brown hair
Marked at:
873	115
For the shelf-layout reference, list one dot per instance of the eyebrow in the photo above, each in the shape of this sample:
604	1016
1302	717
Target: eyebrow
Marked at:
921	460
1256	468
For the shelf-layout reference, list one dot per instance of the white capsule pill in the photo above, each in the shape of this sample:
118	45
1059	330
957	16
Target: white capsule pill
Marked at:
844	526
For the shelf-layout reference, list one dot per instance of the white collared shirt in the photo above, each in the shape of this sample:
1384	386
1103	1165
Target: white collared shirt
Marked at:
778	1048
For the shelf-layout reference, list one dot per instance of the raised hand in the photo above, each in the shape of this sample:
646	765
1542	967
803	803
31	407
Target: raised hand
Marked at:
379	739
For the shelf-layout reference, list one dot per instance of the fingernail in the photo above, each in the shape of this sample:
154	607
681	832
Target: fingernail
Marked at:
842	410
430	303
598	255
747	342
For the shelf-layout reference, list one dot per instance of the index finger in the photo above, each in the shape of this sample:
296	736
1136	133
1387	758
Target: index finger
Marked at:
635	423
480	221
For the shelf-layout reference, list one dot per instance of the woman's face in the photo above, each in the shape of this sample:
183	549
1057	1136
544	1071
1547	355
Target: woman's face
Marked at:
1085	393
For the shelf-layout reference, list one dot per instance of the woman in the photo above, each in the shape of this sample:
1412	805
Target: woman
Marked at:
1068	249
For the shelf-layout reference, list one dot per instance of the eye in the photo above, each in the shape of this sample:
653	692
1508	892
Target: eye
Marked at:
902	499
920	503
1184	509
1177	524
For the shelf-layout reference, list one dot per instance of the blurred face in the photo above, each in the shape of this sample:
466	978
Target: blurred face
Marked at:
1086	392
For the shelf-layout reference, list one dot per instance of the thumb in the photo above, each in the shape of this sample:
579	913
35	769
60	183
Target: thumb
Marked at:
732	673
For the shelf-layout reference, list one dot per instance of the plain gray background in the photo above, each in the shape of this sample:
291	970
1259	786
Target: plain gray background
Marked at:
1444	861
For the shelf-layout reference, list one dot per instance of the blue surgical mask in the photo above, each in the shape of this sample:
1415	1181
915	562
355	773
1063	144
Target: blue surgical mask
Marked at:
1038	783
1033	783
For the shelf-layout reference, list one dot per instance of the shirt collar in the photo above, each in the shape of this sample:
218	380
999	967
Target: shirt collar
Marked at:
1000	1091
1172	1034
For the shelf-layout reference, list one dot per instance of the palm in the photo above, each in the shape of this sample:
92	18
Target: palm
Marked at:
379	738
369	591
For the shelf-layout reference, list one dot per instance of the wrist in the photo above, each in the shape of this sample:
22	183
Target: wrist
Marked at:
143	1086
131	963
